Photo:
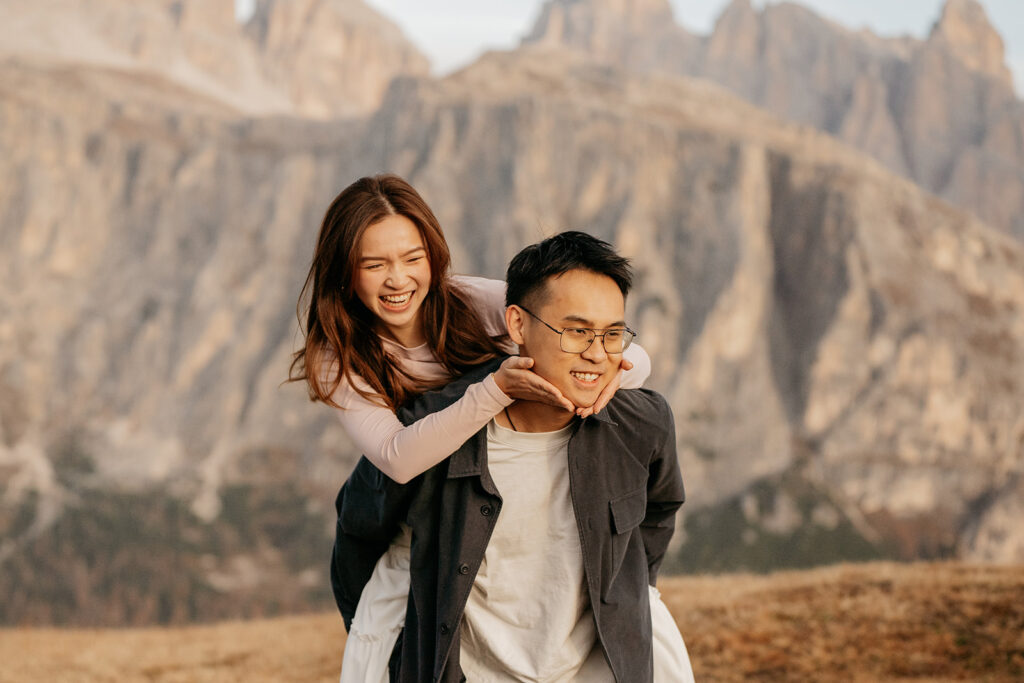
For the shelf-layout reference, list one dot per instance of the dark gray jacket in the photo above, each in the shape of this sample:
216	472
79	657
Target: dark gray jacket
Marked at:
625	486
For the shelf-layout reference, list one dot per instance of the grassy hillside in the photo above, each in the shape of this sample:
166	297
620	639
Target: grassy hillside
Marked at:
850	622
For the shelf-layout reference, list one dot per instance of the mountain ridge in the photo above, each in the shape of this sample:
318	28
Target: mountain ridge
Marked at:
929	109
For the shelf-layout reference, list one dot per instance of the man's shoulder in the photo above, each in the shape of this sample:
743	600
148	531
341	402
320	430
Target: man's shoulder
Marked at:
640	410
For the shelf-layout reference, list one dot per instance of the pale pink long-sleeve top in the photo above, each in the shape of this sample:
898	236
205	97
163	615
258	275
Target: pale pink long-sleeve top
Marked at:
403	452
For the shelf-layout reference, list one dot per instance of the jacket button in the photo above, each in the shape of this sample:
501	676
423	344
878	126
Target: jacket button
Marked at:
444	629
463	569
486	510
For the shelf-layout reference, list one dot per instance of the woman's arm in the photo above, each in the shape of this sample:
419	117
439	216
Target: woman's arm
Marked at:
403	453
635	377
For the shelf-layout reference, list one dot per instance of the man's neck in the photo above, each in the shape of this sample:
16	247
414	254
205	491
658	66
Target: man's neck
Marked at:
530	416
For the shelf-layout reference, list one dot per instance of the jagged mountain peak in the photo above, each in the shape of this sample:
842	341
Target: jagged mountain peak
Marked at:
965	29
737	7
634	33
307	58
354	12
942	111
336	56
659	7
216	14
598	21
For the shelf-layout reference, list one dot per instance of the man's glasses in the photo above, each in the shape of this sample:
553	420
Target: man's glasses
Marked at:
579	339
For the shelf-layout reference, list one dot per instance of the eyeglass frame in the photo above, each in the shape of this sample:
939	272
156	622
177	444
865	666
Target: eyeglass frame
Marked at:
592	330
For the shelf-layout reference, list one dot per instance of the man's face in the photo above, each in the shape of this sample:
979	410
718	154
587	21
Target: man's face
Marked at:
575	299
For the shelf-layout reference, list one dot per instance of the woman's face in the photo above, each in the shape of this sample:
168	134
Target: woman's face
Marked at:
393	278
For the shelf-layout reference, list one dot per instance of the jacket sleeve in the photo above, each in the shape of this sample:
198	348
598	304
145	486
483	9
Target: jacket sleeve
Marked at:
370	507
665	495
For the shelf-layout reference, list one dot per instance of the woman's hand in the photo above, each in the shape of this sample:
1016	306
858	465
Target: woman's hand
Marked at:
607	392
516	379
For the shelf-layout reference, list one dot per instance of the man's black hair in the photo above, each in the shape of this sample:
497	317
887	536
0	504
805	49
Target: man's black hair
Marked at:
530	269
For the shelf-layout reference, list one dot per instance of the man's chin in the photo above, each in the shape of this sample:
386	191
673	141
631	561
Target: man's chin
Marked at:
585	399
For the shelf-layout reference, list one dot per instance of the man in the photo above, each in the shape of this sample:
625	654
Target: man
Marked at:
535	543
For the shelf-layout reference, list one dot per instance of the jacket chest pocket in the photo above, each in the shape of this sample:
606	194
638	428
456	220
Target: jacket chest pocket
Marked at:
627	512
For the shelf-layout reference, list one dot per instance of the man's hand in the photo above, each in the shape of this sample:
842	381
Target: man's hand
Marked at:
517	380
607	392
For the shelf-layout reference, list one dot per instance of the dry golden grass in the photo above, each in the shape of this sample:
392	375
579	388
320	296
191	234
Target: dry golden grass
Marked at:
870	622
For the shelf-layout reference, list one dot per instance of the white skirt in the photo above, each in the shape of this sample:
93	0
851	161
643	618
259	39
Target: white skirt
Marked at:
380	616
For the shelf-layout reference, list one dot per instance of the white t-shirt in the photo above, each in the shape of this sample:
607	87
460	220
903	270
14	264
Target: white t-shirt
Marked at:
528	617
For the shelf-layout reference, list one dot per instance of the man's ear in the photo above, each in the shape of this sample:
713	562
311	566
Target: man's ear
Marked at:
514	321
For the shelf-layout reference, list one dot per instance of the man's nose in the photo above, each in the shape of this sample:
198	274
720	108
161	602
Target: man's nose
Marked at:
596	353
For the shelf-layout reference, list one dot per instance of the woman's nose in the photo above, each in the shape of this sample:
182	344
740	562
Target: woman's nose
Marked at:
396	276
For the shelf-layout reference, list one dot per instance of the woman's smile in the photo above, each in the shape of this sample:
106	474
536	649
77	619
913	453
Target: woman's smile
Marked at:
397	302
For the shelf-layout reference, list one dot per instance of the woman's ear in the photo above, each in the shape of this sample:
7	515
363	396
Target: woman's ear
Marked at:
514	320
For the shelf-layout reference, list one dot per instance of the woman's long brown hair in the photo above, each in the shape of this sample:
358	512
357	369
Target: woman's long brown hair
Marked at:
341	338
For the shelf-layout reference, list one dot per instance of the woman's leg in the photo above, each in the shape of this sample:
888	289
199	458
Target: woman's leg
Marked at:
379	617
671	660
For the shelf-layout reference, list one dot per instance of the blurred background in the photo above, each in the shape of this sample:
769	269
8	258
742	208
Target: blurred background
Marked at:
824	202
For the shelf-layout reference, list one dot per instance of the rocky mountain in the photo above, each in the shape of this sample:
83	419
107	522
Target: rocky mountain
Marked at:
941	111
308	58
335	56
632	33
842	350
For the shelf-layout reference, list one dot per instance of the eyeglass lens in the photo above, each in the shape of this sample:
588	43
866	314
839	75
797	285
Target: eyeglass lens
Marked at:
578	340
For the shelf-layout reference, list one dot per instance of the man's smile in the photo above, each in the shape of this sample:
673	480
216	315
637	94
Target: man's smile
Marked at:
588	378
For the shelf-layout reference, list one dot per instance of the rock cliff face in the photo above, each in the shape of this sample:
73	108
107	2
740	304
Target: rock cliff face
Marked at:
842	350
941	111
633	33
335	56
964	30
310	58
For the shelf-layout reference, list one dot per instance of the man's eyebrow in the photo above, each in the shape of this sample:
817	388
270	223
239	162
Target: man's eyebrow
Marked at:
584	322
383	258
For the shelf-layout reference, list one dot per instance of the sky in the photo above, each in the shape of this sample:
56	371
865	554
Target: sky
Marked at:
454	32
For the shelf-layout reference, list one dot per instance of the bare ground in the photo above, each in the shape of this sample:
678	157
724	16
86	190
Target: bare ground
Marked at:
871	622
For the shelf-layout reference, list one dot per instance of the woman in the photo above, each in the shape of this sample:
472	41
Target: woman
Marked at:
386	321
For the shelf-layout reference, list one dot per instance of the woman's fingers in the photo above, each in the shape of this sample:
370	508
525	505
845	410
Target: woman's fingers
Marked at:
539	389
607	393
518	363
516	380
506	375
